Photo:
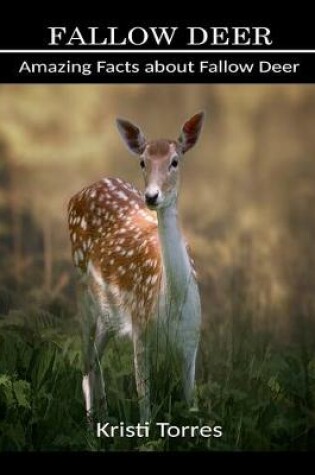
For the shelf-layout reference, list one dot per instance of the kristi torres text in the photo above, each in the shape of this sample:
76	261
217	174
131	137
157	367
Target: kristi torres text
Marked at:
165	429
159	35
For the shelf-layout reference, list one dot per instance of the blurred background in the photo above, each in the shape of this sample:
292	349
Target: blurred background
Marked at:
246	202
247	208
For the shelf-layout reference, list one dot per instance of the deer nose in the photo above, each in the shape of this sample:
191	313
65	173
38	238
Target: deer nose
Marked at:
151	197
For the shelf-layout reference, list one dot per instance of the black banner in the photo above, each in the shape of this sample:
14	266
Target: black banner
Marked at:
115	50
158	68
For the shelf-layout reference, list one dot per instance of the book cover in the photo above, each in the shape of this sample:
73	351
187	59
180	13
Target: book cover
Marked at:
157	236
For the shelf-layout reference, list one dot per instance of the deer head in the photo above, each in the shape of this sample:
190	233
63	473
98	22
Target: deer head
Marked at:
161	160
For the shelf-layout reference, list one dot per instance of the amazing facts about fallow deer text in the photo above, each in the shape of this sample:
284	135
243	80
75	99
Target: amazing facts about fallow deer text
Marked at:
158	67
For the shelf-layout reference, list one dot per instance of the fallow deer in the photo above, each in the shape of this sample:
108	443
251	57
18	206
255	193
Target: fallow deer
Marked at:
135	267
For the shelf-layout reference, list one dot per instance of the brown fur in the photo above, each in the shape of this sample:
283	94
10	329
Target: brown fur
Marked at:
159	148
107	219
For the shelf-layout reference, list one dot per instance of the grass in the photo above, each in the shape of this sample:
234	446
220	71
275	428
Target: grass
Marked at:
261	393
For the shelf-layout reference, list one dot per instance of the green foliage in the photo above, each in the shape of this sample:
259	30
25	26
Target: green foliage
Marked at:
262	395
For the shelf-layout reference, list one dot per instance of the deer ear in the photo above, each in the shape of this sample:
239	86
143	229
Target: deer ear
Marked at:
190	132
132	136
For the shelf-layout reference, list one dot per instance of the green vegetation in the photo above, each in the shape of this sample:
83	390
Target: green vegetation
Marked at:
262	394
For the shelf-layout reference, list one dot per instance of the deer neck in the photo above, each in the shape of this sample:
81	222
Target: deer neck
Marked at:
176	263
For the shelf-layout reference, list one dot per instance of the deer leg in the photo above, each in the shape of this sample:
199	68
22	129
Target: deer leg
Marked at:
142	373
88	333
188	369
94	342
100	342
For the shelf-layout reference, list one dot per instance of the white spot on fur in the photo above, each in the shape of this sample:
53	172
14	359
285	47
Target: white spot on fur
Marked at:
122	195
83	223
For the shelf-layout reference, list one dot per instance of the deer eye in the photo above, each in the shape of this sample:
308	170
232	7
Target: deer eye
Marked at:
174	163
142	164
